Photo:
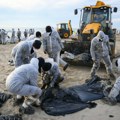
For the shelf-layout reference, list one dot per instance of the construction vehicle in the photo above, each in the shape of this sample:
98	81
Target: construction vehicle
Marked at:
92	19
64	29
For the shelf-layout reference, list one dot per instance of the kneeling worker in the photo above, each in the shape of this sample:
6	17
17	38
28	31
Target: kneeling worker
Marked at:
23	82
53	77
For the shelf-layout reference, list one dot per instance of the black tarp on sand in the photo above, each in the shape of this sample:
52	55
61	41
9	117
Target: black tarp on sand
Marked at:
61	101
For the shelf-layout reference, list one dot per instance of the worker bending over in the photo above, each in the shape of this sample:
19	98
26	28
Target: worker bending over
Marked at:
53	77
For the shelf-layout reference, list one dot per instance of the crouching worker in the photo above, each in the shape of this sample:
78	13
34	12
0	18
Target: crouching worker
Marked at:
53	77
24	51
115	91
23	82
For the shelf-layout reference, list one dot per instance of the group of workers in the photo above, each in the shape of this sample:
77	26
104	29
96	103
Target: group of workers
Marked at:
15	35
23	80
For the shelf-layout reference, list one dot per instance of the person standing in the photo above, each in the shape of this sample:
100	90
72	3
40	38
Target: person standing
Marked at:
100	50
13	36
25	34
19	35
3	36
52	45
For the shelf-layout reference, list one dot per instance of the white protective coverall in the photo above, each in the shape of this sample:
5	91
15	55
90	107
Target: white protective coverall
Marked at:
116	88
13	36
21	53
99	50
52	45
54	72
3	36
19	35
23	80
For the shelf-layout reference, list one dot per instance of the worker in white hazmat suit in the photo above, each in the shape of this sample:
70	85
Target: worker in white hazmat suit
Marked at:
3	36
23	82
24	51
13	36
115	91
25	34
100	50
53	77
19	35
52	45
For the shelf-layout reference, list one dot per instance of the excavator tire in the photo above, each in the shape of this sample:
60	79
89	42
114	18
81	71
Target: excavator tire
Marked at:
66	35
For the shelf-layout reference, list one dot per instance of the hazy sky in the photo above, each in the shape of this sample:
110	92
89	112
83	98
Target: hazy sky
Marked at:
39	13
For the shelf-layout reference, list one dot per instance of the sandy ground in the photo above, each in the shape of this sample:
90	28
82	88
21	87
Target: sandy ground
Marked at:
74	75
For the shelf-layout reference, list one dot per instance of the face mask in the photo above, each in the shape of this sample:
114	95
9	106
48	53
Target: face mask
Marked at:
100	40
49	33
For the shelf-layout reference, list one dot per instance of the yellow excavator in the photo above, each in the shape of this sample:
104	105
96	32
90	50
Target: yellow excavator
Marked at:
64	29
92	19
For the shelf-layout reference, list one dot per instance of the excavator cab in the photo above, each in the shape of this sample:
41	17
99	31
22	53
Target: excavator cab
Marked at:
64	29
95	18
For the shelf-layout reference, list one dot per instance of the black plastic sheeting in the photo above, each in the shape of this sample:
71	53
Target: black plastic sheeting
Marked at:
58	107
66	101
